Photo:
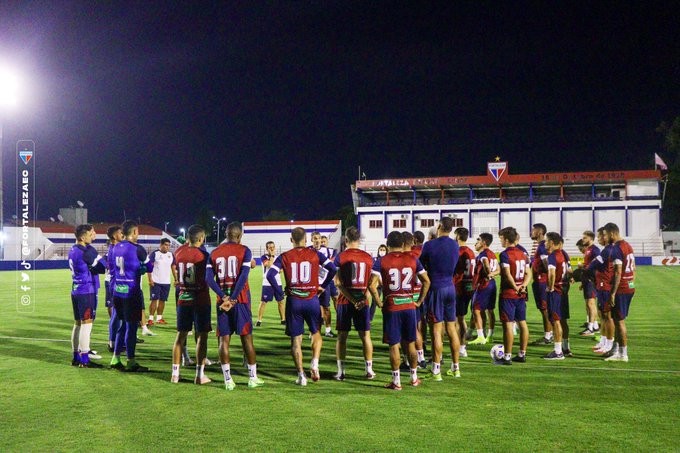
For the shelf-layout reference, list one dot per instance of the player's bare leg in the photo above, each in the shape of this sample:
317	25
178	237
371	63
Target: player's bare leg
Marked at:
296	353
508	338
491	317
317	342
282	312
420	345
523	342
564	324
152	311
413	361
260	311
437	330
341	353
145	328
249	353
159	311
395	360
452	331
201	353
367	346
547	325
557	353
462	330
225	361
177	352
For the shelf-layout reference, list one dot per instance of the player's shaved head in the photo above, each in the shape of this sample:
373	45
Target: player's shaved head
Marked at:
129	227
196	233
82	230
407	237
352	235
234	231
395	240
446	224
299	235
462	233
418	238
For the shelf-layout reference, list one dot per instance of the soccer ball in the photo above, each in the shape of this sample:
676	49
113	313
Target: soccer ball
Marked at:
497	352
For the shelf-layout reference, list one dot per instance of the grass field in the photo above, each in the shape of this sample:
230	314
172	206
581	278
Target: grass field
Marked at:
579	404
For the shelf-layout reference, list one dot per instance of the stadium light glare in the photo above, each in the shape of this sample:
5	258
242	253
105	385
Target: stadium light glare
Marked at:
9	88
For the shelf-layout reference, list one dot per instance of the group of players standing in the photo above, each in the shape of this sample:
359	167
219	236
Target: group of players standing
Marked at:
423	285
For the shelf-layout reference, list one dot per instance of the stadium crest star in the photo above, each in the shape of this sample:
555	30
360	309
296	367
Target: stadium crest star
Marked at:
498	158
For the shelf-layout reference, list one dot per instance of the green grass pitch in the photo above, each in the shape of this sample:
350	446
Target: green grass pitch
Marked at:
580	404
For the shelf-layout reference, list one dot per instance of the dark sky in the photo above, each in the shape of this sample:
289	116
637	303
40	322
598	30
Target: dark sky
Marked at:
161	109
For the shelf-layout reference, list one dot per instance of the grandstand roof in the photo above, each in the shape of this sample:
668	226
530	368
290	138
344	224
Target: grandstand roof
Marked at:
507	179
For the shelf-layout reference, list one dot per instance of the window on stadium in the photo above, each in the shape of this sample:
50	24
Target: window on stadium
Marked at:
375	224
426	223
399	223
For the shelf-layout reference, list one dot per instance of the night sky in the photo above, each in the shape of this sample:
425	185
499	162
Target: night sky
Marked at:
158	109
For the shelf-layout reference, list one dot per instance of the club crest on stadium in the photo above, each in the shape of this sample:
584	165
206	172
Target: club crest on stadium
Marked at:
26	156
497	169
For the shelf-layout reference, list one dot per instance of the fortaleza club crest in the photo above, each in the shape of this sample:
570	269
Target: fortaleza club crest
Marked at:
497	169
26	156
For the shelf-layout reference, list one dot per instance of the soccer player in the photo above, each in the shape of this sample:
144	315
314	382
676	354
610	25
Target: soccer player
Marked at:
603	268
539	269
193	303
382	251
115	235
590	252
558	303
230	263
267	290
515	277
397	271
439	257
622	289
325	296
131	262
465	271
421	333
484	297
353	273
301	267
159	280
85	266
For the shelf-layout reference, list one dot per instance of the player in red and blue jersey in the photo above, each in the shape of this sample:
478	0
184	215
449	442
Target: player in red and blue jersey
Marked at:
604	271
440	257
515	277
462	279
131	262
301	266
354	270
230	266
85	266
267	290
539	270
421	334
622	288
590	252
397	271
484	283
115	235
331	292
193	301
559	271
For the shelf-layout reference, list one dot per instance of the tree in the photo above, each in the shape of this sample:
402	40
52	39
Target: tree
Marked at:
205	219
671	143
346	215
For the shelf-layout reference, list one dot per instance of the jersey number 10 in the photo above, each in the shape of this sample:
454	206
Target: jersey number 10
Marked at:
301	273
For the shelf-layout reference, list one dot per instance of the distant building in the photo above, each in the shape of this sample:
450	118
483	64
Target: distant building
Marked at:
568	203
257	234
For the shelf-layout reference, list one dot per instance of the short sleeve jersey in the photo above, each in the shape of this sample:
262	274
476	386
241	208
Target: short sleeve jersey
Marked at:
516	260
591	253
604	269
162	266
192	263
465	271
558	261
354	269
81	260
268	260
129	259
539	270
622	254
227	261
440	257
301	266
397	271
480	280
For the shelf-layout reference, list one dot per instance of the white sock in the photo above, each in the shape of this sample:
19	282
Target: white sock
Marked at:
480	333
396	378
558	347
490	333
252	371
596	326
522	353
302	376
315	364
175	369
421	355
414	374
507	356
185	353
624	351
341	366
84	337
159	317
199	371
328	329
436	368
226	371
75	337
590	326
548	335
144	328
616	348
369	366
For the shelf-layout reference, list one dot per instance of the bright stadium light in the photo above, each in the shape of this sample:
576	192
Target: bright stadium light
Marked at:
9	92
218	226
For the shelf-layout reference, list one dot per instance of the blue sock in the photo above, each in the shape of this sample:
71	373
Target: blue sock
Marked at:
113	325
120	338
76	356
84	358
131	338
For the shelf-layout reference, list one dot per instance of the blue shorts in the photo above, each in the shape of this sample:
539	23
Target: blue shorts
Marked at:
558	306
462	304
441	304
109	295
603	301
332	289
130	307
160	291
621	307
84	307
325	298
588	290
513	310
299	311
485	299
347	314
540	291
399	326
190	317
238	320
268	293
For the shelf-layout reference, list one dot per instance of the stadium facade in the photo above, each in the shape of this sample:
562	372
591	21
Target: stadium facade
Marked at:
568	203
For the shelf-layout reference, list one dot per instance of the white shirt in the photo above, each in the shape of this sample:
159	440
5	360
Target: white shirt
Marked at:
162	263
